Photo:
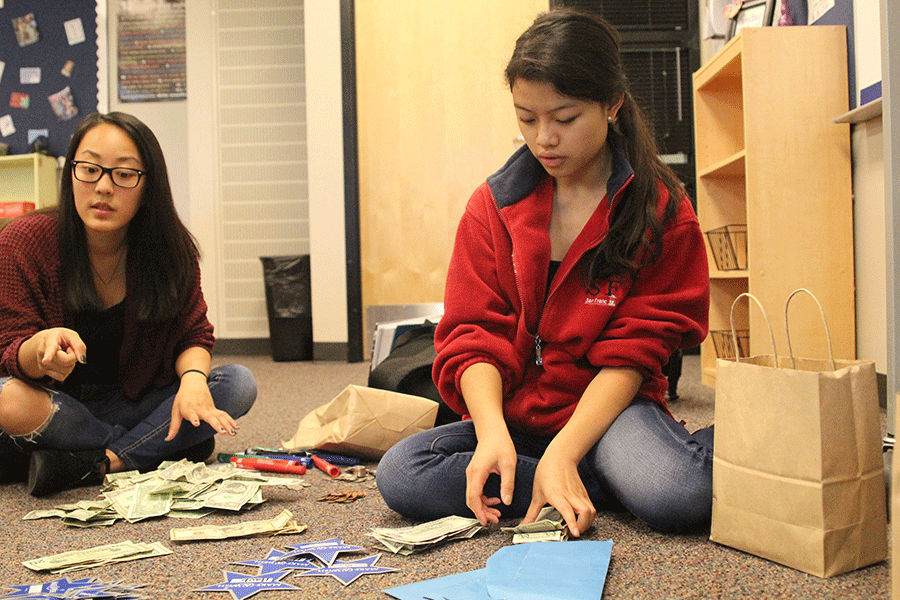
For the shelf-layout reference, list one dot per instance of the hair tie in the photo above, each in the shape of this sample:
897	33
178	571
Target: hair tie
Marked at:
195	371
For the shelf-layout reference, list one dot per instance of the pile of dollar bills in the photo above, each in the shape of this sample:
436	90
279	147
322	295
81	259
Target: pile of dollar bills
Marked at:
176	489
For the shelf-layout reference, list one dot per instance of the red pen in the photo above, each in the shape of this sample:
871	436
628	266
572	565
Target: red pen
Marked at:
326	466
274	465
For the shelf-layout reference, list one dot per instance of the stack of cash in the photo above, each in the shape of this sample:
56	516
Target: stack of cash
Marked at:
407	540
86	513
548	527
177	489
75	560
283	524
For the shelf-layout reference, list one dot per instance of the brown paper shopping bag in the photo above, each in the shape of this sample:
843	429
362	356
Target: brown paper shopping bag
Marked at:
798	476
363	421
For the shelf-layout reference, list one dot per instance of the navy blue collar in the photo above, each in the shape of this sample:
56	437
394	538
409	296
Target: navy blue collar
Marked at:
522	174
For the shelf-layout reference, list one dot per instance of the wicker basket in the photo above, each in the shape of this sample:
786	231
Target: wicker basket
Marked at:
729	247
725	345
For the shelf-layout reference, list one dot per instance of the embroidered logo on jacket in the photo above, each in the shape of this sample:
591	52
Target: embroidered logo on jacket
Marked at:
609	300
601	301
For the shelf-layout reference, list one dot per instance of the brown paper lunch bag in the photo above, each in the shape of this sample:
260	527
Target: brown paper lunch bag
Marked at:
798	476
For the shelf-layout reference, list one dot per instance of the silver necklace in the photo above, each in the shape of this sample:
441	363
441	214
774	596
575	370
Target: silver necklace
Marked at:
106	282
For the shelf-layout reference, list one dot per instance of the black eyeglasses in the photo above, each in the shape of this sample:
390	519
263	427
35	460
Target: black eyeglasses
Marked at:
89	172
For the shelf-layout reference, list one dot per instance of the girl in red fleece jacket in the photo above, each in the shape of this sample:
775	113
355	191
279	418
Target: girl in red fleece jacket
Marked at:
579	268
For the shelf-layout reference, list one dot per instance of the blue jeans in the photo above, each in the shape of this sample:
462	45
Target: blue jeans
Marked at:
646	463
134	430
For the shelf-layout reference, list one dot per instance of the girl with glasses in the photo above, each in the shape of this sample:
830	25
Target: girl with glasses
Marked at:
105	347
579	268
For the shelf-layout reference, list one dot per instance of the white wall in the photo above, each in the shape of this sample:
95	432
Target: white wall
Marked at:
183	129
168	120
325	156
869	198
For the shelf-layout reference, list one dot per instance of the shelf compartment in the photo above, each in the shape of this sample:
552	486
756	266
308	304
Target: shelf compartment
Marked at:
719	107
731	166
722	70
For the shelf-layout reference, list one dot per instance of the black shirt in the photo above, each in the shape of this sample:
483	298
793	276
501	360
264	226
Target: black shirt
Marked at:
103	333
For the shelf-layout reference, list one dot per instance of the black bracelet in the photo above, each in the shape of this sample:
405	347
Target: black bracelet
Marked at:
195	371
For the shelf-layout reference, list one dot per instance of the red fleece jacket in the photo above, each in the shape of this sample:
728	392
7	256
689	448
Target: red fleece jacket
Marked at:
495	309
31	299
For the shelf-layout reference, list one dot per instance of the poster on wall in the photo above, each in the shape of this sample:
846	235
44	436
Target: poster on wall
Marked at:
152	59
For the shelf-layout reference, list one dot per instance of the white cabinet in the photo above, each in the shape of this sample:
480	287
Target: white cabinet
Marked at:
29	178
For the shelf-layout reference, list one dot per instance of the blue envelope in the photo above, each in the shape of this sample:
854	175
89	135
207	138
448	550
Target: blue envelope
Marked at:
549	571
536	571
461	586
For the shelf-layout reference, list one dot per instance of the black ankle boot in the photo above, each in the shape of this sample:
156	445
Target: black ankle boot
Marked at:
198	453
53	471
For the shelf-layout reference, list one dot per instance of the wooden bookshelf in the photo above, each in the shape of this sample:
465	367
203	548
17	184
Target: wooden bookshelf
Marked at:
770	156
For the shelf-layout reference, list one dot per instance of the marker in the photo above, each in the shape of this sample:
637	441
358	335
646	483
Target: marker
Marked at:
337	459
326	466
225	457
263	450
273	465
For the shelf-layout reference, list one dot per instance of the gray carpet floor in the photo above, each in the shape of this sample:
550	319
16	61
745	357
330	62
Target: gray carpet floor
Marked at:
645	564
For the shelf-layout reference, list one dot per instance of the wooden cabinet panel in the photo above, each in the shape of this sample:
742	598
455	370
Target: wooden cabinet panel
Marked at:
434	120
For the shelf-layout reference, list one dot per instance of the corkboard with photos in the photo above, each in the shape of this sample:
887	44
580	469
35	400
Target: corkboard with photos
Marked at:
48	72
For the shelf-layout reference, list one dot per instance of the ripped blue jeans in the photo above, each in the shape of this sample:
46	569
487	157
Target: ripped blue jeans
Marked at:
134	430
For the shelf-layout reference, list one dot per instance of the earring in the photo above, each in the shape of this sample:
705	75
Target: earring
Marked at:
609	119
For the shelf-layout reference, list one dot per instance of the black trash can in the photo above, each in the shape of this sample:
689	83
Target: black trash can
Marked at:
289	305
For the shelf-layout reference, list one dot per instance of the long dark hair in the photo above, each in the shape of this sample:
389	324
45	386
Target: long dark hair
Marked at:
578	54
160	248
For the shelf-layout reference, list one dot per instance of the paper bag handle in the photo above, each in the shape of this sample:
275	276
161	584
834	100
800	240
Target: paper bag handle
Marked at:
737	353
787	329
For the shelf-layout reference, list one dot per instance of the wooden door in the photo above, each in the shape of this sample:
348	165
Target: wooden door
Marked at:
434	120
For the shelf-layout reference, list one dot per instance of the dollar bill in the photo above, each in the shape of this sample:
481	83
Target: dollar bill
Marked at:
74	560
189	514
85	505
407	540
82	514
45	514
548	526
120	500
244	529
110	478
232	495
146	504
95	522
540	536
150	550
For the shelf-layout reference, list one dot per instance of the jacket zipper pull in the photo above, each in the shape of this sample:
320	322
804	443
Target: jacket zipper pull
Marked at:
538	359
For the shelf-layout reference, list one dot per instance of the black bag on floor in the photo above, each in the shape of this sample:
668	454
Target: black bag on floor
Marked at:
407	369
